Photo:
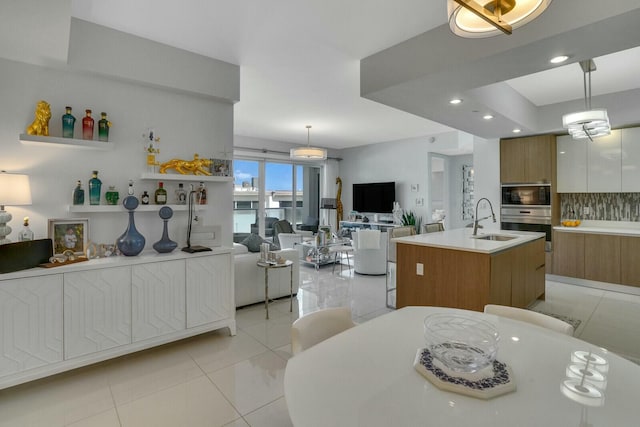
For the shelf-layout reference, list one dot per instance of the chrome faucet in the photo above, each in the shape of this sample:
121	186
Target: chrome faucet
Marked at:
477	220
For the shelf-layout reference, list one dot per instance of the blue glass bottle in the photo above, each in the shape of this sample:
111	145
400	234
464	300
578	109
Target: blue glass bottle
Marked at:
95	186
68	124
78	194
165	244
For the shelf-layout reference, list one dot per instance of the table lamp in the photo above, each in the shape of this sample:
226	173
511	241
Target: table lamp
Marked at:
14	191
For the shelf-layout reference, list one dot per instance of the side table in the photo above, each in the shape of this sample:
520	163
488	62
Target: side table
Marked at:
267	266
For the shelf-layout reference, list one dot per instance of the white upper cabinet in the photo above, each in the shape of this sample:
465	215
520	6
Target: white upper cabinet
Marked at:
604	166
631	160
572	165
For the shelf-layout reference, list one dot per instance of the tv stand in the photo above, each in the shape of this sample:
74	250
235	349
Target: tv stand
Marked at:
355	225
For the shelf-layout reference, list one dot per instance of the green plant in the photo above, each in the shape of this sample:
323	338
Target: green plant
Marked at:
409	218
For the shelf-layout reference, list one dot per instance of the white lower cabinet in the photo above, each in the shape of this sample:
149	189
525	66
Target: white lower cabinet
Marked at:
158	299
207	300
58	319
31	327
97	310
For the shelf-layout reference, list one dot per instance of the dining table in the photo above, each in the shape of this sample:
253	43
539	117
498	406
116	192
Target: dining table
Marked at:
365	376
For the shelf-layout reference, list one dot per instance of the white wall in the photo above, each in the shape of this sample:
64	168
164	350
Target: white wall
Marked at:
187	123
404	161
486	164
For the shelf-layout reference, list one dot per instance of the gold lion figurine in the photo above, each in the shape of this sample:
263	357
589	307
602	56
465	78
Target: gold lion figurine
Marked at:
197	166
40	125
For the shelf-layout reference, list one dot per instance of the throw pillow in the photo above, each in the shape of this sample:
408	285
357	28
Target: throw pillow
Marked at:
253	242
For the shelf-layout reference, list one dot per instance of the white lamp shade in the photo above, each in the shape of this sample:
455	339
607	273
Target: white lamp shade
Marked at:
308	153
465	23
15	189
587	124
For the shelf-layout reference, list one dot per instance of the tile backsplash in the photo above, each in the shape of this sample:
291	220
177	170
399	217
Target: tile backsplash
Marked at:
602	206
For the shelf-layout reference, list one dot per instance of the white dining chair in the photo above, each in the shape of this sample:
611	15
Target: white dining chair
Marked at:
530	317
316	327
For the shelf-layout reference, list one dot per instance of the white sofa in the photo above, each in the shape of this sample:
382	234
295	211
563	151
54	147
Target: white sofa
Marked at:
249	278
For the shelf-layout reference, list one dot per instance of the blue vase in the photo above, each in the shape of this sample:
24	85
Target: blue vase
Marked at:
131	243
165	245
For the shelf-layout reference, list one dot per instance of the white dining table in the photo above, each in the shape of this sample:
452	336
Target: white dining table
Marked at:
365	377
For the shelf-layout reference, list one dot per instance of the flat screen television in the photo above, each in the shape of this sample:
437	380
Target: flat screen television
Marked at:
376	197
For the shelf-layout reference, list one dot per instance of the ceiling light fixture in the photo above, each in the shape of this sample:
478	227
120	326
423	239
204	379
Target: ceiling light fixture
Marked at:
591	123
516	130
558	59
455	101
308	152
487	117
471	19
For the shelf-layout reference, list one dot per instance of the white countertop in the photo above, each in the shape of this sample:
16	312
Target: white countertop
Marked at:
462	240
620	228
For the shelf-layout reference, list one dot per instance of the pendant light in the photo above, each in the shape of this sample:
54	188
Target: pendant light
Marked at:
479	19
590	123
308	152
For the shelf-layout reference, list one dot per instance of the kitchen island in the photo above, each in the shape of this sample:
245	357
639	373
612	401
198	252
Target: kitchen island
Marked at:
455	269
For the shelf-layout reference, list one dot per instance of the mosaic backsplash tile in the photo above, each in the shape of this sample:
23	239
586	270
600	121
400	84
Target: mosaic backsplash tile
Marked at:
602	206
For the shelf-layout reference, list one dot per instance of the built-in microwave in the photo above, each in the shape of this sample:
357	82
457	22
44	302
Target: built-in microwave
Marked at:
526	195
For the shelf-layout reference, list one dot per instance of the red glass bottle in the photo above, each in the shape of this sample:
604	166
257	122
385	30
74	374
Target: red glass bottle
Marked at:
87	126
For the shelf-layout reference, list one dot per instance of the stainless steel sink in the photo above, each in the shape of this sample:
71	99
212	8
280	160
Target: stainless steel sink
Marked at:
495	237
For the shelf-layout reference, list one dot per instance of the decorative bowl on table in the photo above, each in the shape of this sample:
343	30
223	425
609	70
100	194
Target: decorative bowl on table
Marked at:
461	343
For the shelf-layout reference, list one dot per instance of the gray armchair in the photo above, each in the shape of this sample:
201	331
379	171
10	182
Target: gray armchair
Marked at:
268	226
310	224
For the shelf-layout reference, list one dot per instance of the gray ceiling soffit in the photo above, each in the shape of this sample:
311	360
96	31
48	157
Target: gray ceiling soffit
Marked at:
420	75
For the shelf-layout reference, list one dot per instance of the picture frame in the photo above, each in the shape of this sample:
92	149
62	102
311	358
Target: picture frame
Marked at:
221	167
69	234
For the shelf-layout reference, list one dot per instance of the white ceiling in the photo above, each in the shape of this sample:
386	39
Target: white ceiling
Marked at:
300	60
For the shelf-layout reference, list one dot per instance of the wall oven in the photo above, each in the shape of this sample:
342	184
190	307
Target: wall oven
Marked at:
527	207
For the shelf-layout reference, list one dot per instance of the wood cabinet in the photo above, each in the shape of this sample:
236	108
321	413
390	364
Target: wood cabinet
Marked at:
568	254
529	159
630	260
31	312
470	280
59	319
602	258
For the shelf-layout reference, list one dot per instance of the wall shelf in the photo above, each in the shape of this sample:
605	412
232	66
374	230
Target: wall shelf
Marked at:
52	141
180	177
120	208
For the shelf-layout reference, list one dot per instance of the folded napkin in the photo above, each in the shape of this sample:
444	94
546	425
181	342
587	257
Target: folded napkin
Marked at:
368	239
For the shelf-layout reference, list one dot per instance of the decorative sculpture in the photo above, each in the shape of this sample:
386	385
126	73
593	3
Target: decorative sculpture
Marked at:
165	244
151	150
131	243
40	125
339	209
197	166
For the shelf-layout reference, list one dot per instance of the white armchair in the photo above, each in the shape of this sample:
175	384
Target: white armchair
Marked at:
288	240
370	259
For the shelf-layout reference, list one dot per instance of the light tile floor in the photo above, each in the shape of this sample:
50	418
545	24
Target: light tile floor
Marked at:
218	380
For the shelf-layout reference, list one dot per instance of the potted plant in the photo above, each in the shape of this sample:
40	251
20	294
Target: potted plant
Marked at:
409	218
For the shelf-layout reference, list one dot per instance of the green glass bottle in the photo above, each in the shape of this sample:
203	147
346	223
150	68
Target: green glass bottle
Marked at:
160	196
103	127
112	195
95	187
68	123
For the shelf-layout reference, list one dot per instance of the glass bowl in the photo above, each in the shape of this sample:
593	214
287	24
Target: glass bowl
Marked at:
461	343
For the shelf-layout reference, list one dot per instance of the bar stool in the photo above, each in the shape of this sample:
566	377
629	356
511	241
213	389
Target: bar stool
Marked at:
340	250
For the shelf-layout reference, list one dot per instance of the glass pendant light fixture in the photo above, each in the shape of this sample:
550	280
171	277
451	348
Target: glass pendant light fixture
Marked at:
482	18
308	152
590	123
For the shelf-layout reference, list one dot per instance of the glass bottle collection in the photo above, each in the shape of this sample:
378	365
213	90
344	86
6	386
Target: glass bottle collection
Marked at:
158	197
69	122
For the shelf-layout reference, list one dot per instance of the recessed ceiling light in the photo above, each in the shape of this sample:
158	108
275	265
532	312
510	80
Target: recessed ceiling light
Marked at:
455	101
516	130
487	117
558	59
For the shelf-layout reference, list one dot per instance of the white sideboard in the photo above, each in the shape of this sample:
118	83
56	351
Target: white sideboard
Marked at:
62	318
